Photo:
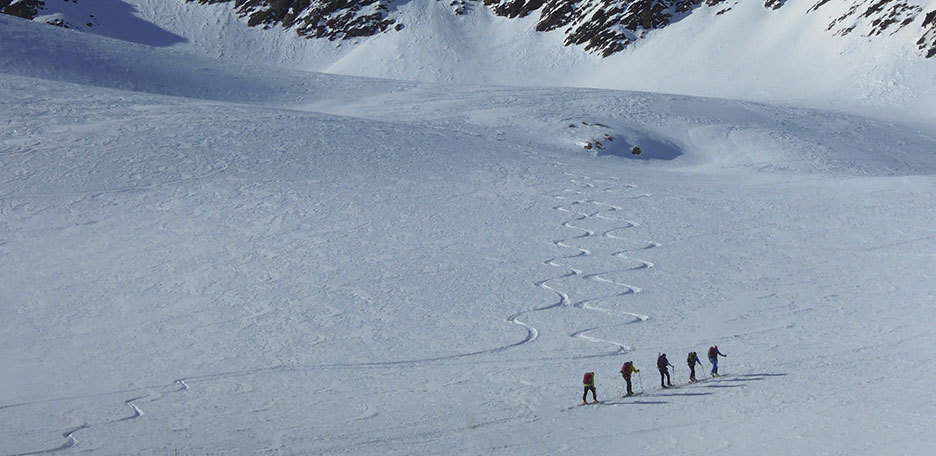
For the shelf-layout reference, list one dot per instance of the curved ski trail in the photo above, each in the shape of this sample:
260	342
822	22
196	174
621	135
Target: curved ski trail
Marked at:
575	202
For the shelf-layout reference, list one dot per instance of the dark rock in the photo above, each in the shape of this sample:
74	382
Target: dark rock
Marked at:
774	4
26	9
331	19
927	42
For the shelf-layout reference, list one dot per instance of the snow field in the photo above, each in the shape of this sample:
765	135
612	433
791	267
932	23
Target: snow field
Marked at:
207	258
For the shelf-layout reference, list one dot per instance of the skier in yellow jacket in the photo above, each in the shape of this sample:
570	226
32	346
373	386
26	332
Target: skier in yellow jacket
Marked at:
589	382
626	370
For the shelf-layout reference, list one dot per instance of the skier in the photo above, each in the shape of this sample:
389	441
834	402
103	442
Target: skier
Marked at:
589	382
692	360
626	370
663	365
713	354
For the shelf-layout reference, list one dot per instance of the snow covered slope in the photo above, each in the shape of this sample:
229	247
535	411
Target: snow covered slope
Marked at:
198	257
855	56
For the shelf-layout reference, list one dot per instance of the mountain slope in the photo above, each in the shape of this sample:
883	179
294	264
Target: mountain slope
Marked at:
856	57
602	26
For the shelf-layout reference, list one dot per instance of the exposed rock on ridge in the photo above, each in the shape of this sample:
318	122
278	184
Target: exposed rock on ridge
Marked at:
332	19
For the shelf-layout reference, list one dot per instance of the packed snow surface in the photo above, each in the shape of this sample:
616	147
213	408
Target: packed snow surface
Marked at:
210	258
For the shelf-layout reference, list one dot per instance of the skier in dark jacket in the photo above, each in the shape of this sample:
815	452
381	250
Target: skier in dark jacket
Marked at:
713	355
693	359
663	365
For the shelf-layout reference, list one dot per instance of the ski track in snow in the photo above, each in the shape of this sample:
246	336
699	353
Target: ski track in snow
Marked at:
72	441
585	185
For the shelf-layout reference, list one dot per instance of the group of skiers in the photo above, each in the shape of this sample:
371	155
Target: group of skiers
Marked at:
663	366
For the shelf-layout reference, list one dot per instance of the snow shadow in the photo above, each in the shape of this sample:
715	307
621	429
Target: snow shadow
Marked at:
635	403
118	19
612	138
650	148
683	394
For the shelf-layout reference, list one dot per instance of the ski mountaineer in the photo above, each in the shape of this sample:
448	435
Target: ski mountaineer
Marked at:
713	355
692	360
589	382
626	370
663	364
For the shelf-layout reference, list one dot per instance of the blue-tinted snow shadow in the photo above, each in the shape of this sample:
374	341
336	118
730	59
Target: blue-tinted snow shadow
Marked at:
117	19
678	394
650	147
635	403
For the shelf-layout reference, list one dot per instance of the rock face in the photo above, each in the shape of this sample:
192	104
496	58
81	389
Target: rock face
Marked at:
873	17
26	9
332	19
600	26
927	42
608	26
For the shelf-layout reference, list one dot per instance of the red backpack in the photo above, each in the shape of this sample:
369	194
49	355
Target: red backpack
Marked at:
588	378
712	352
626	368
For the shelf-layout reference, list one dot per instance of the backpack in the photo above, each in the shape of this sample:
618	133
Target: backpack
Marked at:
662	362
626	369
589	378
712	352
691	359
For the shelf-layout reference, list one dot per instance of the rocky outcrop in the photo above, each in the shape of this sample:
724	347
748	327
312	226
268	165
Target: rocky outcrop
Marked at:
604	26
331	19
26	9
927	42
774	4
872	17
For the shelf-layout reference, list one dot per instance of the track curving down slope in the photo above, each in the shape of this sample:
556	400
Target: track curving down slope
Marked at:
580	202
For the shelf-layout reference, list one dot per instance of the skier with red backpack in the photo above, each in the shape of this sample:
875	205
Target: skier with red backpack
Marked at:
713	355
589	382
626	370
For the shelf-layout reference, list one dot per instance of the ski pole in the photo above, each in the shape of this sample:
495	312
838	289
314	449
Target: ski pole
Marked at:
640	377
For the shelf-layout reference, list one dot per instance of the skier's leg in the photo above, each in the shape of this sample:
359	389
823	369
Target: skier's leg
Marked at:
594	394
662	377
585	395
629	390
